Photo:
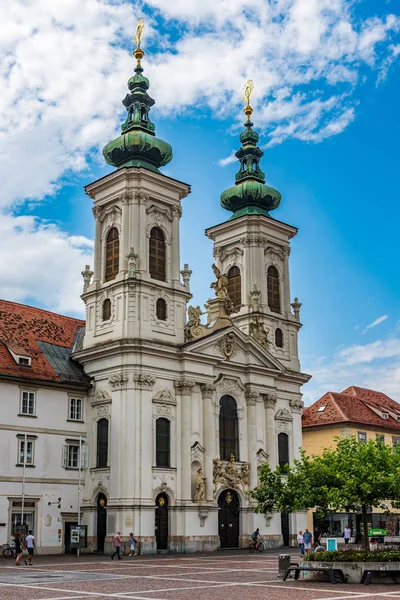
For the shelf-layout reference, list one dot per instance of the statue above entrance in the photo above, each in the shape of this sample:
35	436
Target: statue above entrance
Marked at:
228	475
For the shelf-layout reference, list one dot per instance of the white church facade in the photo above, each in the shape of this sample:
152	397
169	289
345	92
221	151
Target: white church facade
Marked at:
180	409
188	411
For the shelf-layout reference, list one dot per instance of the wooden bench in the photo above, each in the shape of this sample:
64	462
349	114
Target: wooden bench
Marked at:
369	573
332	573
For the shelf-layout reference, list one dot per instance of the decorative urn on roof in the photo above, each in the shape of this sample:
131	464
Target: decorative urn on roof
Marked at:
138	146
250	195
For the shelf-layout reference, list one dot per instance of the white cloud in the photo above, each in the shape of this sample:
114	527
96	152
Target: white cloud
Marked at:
223	162
43	263
377	321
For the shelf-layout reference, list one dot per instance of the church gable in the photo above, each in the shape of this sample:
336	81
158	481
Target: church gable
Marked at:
233	346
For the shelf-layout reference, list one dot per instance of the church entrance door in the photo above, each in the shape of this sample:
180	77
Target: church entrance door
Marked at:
101	521
162	522
228	519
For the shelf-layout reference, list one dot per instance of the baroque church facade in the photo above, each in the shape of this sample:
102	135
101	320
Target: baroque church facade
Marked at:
183	413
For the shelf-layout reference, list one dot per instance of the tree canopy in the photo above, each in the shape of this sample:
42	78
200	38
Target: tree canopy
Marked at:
351	477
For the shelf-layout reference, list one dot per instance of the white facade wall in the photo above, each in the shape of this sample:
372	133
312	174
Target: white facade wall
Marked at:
46	480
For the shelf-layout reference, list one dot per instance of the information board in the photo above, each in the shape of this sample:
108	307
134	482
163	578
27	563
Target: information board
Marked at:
331	544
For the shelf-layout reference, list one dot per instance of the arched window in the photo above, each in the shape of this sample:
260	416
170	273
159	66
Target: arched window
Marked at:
157	254
162	443
161	309
102	443
283	449
228	429
235	287
106	310
278	338
112	254
274	300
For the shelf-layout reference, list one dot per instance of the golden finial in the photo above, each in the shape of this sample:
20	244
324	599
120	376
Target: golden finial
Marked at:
138	53
247	94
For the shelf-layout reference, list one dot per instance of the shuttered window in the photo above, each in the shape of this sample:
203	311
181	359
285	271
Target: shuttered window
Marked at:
274	300
112	254
235	287
157	254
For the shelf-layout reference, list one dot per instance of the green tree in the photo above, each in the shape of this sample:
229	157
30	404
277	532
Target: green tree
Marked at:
354	475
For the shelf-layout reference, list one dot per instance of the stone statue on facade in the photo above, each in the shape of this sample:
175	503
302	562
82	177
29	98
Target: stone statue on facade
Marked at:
194	316
186	273
87	275
200	495
245	474
259	334
220	284
296	305
132	262
229	475
218	472
255	299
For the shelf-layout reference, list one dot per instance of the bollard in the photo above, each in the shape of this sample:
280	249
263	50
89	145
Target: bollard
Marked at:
284	563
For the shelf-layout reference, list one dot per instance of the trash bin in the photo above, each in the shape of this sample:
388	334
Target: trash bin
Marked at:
284	563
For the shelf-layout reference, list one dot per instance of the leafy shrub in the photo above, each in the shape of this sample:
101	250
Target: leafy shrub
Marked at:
385	555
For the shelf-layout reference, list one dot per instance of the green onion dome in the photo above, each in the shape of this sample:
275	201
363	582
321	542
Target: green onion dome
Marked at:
250	195
138	146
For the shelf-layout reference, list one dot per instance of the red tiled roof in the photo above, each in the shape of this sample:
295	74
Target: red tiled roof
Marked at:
21	327
353	405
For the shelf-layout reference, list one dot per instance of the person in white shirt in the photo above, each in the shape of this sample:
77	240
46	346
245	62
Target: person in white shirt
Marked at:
30	545
300	541
347	536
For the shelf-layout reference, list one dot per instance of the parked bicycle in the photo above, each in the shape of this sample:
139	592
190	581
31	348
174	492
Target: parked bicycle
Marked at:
9	551
254	546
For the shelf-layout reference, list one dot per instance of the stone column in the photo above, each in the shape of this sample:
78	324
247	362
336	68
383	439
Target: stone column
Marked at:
297	409
144	385
184	388
97	246
251	399
143	242
118	383
208	391
270	436
175	267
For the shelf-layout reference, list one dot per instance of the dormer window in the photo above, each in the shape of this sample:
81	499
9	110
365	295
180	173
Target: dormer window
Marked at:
398	418
385	416
24	361
19	355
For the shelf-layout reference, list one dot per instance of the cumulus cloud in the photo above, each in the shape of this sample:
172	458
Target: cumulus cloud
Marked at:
42	264
377	321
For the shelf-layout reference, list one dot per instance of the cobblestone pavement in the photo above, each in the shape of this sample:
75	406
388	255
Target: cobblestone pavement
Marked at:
218	576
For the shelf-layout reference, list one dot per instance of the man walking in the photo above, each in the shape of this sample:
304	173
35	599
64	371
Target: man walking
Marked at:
132	543
30	545
300	541
117	545
307	540
347	536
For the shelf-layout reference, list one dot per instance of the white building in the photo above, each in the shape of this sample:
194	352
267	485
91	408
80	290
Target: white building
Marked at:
181	414
43	406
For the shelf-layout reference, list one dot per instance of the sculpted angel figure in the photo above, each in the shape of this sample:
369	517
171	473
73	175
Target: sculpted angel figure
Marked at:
194	316
200	495
245	474
220	284
218	472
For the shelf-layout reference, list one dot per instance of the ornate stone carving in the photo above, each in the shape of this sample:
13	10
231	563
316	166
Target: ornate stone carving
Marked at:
164	410
132	262
143	380
118	380
193	329
283	415
164	397
251	396
259	334
296	305
230	386
203	514
184	386
87	275
255	299
227	345
275	252
207	390
297	405
268	518
186	274
163	488
196	452
283	426
103	410
270	400
200	495
220	284
141	197
101	396
228	474
262	457
177	211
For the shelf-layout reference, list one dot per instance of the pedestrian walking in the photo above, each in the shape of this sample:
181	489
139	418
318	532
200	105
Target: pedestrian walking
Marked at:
117	545
18	549
317	536
30	545
347	536
307	540
300	541
132	543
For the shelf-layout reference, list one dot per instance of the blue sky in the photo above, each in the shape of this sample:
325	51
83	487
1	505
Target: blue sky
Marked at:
326	80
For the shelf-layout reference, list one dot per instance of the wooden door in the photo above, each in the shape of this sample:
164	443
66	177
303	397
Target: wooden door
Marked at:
162	522
228	519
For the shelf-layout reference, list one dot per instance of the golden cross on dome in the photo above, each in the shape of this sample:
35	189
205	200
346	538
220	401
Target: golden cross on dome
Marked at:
247	94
